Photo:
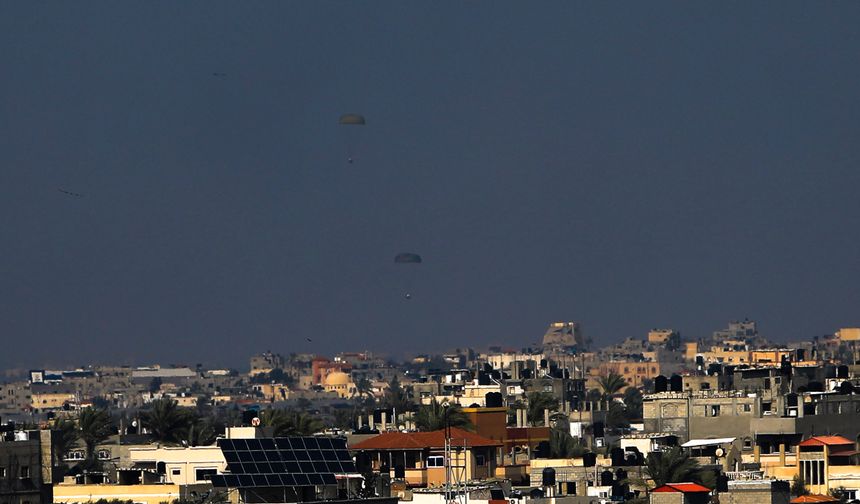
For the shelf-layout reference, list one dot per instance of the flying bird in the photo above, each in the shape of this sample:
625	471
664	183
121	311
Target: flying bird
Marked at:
219	74
70	193
310	340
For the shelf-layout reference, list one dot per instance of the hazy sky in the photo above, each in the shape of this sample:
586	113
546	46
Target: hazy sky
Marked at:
624	164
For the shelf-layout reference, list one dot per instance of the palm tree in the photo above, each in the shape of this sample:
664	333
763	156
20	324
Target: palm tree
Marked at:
537	403
611	384
304	424
563	445
201	431
166	421
290	423
675	466
364	387
94	426
616	415
433	417
633	403
396	396
64	440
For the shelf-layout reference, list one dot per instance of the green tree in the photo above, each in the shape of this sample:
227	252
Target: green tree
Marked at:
155	384
65	437
167	422
432	417
563	445
537	403
364	387
201	431
611	384
798	486
396	396
94	426
616	416
633	403
290	423
675	466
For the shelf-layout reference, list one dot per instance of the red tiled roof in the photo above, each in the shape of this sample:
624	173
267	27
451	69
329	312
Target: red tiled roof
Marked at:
813	499
682	487
826	440
421	440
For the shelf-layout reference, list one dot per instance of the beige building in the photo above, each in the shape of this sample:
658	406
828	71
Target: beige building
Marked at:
340	383
51	400
848	334
181	466
70	493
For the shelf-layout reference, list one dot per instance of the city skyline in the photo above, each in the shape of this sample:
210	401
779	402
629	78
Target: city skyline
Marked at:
176	181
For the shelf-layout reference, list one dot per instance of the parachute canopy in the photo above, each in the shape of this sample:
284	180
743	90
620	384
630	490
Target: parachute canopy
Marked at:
407	257
352	119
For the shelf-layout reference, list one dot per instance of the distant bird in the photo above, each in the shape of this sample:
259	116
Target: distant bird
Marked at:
309	340
219	74
70	193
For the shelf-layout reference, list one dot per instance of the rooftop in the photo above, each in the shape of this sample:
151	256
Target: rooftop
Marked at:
826	441
421	440
682	487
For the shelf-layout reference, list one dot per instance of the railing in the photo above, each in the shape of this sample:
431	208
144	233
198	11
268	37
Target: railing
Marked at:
745	475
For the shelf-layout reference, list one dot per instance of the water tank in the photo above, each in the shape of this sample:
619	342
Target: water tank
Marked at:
597	427
589	459
676	383
606	478
493	399
661	384
548	477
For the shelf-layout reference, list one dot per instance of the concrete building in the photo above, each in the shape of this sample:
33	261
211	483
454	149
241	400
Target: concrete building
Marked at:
266	362
418	457
26	466
565	335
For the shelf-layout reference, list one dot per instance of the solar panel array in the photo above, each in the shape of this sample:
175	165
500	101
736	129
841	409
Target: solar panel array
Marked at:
283	462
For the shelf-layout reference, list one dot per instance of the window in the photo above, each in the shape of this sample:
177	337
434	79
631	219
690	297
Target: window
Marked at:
480	460
705	386
25	471
104	454
715	410
747	407
176	472
2	472
436	461
201	474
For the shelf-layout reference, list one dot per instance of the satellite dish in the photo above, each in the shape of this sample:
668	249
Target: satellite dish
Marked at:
719	452
255	421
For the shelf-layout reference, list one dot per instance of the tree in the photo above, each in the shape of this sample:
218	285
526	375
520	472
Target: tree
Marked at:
537	403
155	384
798	486
616	416
64	440
290	423
167	422
432	417
563	445
633	403
201	431
675	466
396	396
364	387
611	384
94	426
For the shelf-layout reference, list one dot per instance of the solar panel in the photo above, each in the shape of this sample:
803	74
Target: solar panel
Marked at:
292	461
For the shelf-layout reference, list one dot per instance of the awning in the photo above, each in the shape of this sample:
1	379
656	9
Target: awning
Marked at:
696	443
